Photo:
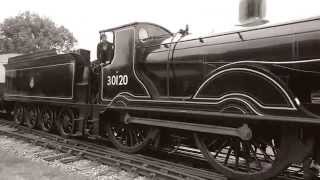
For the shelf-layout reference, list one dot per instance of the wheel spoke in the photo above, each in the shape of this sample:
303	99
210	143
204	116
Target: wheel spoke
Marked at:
65	123
254	155
31	116
136	136
228	155
212	143
245	159
236	145
129	138
47	119
267	144
265	155
220	148
18	114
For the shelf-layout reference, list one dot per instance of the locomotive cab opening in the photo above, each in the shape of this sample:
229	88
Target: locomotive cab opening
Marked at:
126	72
105	48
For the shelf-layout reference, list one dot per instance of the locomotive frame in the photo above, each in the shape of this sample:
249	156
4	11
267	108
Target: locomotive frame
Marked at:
221	93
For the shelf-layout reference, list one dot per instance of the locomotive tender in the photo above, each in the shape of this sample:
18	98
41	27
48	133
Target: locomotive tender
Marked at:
248	99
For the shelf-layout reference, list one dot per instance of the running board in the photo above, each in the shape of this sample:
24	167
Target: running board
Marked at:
198	114
243	132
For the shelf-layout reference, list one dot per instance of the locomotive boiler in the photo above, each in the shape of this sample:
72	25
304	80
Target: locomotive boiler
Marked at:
247	99
235	93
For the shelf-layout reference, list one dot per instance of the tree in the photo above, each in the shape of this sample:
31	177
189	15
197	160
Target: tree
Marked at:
28	32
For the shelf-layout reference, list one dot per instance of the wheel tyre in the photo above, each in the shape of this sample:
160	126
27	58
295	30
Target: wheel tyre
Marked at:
65	122
281	161
112	135
47	119
18	114
32	116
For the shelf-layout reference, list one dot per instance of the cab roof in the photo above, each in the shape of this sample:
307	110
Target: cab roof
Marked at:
132	25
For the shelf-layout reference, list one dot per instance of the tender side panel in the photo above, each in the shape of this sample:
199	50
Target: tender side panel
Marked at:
51	81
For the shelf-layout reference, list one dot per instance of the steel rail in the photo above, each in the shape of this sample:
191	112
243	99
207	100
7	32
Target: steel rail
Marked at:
141	164
137	163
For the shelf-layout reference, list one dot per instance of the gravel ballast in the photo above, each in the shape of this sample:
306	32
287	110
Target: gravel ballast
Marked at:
24	161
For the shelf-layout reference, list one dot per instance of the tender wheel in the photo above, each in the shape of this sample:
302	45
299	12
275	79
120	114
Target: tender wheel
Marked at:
65	122
128	137
258	158
47	119
18	114
31	116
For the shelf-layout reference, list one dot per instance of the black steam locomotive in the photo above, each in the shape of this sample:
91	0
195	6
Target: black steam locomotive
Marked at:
249	100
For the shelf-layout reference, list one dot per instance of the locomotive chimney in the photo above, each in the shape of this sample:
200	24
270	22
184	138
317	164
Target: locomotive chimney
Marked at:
252	12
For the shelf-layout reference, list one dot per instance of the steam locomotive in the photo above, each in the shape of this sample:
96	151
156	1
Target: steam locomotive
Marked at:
249	100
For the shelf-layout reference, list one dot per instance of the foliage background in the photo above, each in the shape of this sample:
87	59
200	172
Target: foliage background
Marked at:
28	32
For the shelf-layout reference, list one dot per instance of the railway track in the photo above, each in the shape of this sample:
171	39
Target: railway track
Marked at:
72	150
295	172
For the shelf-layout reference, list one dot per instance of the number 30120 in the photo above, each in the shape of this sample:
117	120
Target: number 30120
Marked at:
117	80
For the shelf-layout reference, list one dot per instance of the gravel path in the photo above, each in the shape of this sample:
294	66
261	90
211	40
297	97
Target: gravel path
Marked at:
23	161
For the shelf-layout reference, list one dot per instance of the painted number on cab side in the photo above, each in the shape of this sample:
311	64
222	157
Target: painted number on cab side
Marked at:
117	80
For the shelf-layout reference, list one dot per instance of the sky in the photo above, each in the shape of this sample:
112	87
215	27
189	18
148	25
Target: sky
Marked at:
85	18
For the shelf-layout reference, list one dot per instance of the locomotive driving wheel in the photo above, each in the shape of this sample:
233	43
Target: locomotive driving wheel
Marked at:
130	138
260	157
31	116
47	119
18	114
